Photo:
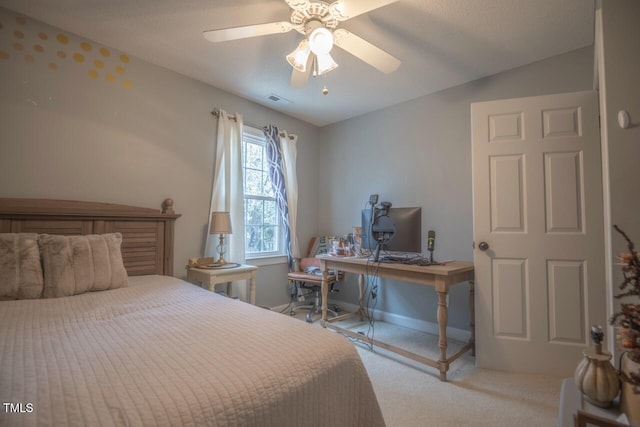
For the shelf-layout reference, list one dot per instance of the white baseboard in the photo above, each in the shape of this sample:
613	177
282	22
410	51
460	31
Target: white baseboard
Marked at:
404	321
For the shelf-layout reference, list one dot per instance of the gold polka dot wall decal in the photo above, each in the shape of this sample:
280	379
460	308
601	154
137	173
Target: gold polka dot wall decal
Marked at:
61	54
119	70
38	48
127	84
18	34
105	52
53	66
62	38
78	57
4	55
43	36
124	58
20	20
29	58
93	74
18	46
98	64
110	78
85	46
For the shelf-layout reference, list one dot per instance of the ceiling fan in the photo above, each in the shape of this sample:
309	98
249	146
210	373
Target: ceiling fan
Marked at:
317	21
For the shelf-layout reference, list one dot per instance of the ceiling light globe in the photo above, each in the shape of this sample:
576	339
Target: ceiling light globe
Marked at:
299	57
325	63
321	41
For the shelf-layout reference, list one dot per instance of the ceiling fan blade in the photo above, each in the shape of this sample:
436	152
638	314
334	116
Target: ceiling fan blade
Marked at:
364	50
299	78
298	4
347	9
235	33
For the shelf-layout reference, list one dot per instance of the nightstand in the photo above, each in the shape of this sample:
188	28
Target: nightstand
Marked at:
209	278
572	401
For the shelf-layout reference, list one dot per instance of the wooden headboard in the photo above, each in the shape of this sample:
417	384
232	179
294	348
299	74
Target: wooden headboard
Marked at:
147	234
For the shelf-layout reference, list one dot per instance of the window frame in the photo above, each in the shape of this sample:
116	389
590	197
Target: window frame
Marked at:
254	135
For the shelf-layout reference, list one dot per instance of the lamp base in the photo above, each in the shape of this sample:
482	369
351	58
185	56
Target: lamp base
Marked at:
221	249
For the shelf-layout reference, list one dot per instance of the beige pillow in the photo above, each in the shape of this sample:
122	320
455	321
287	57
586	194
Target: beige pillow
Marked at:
77	264
20	269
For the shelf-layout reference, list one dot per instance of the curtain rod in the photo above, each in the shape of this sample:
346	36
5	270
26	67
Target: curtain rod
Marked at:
216	112
232	117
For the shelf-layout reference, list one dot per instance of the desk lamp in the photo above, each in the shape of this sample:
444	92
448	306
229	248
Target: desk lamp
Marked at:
220	224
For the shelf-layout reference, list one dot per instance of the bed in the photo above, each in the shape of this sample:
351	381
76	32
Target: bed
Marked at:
161	351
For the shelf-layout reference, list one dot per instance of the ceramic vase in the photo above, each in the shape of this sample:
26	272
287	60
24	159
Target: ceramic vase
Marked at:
595	377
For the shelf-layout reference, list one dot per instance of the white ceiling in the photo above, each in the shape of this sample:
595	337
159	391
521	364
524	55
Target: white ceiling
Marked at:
441	43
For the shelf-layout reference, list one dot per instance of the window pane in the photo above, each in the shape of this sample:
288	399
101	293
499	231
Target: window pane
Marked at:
253	182
253	212
270	212
270	238
253	156
253	239
267	186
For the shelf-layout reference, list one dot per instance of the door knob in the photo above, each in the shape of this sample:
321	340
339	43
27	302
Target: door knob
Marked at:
483	246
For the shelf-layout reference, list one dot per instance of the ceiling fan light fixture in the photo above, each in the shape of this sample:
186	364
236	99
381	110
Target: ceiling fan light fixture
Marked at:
317	21
324	64
321	41
299	57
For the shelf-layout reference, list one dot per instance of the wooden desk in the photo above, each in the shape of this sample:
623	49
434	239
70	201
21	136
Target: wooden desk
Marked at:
441	277
209	278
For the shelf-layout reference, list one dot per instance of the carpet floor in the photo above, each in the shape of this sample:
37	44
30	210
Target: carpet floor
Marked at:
411	394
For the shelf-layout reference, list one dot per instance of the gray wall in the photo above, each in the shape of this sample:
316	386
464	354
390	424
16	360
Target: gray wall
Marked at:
66	135
418	153
619	90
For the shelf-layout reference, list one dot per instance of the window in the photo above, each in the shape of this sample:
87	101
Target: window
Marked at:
263	228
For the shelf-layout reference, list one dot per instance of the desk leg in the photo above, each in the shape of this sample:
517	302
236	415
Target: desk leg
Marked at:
252	289
325	294
472	317
443	318
361	297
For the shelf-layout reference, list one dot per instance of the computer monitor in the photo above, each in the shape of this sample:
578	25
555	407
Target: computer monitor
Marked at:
400	229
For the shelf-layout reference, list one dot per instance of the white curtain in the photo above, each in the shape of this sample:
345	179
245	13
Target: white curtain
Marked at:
289	154
227	194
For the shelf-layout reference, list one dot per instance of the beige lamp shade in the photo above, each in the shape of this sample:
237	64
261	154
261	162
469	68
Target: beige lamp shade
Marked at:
220	223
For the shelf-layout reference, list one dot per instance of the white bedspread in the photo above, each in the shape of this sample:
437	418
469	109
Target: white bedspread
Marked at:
164	352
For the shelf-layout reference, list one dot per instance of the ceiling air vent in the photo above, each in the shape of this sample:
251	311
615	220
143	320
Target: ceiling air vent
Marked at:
276	98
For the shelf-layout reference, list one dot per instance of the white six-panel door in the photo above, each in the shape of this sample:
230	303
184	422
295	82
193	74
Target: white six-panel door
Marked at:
538	231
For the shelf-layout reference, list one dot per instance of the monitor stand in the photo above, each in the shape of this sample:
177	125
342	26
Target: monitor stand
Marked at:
377	256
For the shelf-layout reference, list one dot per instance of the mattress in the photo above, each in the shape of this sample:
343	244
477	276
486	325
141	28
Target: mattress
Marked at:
163	352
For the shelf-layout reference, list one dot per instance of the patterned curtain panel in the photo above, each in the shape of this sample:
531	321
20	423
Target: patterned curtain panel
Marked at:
274	154
289	144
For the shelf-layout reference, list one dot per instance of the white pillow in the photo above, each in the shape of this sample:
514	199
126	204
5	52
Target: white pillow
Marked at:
78	264
20	269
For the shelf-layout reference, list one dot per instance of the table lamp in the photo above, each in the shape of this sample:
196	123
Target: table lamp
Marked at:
220	224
